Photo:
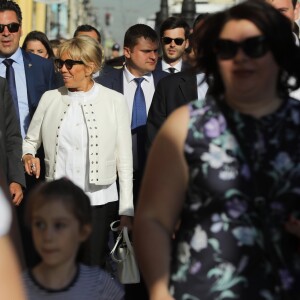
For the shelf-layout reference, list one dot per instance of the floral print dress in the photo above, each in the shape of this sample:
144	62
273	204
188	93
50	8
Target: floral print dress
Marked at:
244	183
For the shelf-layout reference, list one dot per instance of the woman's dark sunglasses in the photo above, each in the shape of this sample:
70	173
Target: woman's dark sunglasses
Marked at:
254	47
69	63
12	27
167	40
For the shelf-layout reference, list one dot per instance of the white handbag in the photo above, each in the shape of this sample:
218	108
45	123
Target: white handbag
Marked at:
123	254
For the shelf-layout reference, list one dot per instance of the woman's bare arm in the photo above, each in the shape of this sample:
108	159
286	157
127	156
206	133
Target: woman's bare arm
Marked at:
160	202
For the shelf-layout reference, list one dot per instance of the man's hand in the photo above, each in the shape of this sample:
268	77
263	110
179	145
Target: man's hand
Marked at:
16	193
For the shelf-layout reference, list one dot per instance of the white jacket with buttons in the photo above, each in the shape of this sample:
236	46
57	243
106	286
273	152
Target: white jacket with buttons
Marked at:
109	137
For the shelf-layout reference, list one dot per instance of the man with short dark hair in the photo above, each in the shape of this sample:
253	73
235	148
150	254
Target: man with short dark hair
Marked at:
28	75
175	90
141	54
137	81
174	34
88	30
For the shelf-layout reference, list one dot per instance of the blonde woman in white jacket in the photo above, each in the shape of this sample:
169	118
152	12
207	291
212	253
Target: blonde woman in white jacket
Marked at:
85	131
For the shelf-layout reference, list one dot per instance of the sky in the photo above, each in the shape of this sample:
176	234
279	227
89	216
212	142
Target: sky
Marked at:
124	13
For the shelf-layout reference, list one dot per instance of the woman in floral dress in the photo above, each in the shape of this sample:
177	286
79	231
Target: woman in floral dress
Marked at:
228	168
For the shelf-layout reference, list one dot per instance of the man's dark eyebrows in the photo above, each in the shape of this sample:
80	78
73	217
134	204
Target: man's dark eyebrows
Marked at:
148	50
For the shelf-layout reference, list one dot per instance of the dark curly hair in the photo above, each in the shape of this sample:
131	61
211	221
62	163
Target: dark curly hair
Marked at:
172	23
273	25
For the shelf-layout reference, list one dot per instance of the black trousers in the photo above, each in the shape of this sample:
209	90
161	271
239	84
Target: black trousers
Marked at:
96	248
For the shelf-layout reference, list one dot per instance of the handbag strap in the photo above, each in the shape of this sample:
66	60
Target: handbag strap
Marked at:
115	225
127	240
114	249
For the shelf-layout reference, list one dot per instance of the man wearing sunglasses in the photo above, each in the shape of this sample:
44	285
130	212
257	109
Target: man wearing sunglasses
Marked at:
28	76
174	33
174	91
33	75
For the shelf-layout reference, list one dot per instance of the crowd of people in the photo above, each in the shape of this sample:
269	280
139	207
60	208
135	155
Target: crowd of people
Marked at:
189	139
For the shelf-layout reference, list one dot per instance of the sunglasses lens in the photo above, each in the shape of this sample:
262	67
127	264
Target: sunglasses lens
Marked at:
255	47
167	40
69	64
226	49
13	27
178	41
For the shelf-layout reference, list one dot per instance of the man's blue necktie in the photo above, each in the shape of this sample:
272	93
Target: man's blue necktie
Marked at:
139	112
10	77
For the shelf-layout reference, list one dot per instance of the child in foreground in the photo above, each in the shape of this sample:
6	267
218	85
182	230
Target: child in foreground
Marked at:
59	214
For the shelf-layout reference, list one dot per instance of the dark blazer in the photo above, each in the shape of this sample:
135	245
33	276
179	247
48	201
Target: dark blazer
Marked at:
171	92
113	78
40	77
10	138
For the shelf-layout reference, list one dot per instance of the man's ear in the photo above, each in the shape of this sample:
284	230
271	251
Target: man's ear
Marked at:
127	52
187	43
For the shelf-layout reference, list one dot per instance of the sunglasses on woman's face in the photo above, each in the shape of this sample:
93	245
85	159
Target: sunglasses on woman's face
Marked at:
12	27
69	63
254	47
167	40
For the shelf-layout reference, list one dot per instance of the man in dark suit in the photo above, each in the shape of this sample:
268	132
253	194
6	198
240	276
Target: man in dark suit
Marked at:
141	53
28	76
33	74
176	90
174	35
10	145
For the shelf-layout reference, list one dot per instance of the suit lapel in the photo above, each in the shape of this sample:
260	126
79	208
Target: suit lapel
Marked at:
188	87
29	83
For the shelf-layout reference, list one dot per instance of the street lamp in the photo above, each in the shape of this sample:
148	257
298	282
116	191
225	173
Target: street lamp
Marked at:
188	11
162	14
